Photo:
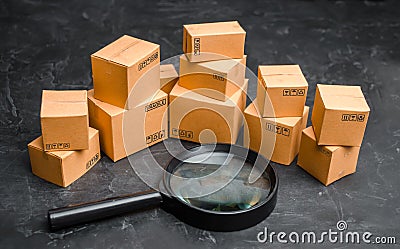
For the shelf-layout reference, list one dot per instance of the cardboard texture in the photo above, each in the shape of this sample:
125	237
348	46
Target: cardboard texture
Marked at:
197	118
126	72
64	120
124	132
168	77
281	91
213	41
215	79
326	163
340	115
63	167
259	134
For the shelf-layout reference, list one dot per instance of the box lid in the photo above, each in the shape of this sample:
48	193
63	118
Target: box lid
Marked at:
340	97
181	92
216	28
168	71
64	103
112	110
309	132
38	144
126	50
280	70
288	121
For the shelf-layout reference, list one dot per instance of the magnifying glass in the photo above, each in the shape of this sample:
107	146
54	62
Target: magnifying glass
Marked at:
192	192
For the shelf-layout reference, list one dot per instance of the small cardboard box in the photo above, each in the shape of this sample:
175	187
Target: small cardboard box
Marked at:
281	91
126	72
215	79
168	77
287	133
124	132
64	167
340	115
213	41
200	119
326	163
64	120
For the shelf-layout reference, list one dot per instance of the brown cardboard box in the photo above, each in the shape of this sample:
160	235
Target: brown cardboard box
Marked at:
215	79
168	77
64	167
213	41
200	119
259	132
326	163
124	132
126	72
281	91
340	115
64	120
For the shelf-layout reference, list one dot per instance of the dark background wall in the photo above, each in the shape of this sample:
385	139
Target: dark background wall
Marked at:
47	45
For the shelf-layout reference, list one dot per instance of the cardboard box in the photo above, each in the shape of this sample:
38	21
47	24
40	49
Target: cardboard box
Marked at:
259	134
124	132
215	79
126	72
340	115
200	119
281	91
64	120
63	167
213	41
168	77
326	163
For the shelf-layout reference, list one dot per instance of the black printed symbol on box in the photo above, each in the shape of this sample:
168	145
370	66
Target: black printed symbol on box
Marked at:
155	136
286	92
182	133
300	92
278	129
174	131
285	131
345	117
293	92
54	146
66	146
353	117
360	117
270	127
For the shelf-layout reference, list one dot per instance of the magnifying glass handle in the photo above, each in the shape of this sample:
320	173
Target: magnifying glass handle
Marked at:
82	213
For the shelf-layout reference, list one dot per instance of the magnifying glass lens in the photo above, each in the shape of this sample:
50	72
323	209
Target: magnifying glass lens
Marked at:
218	181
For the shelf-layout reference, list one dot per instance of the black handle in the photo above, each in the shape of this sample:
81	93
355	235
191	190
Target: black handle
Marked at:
82	213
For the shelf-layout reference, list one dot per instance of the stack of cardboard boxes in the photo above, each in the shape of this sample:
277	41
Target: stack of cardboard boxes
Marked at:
126	105
206	105
329	148
68	147
277	116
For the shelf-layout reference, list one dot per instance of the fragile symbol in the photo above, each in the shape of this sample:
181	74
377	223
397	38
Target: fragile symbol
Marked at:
286	92
277	129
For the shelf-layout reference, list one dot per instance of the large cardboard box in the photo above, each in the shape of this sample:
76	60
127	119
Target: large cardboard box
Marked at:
124	132
281	91
168	77
259	132
213	41
326	163
200	119
64	120
340	115
64	167
215	79
126	72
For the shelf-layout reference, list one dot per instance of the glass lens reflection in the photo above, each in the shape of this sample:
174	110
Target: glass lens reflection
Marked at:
206	174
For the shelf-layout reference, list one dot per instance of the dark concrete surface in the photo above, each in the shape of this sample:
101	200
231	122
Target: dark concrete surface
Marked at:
46	45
